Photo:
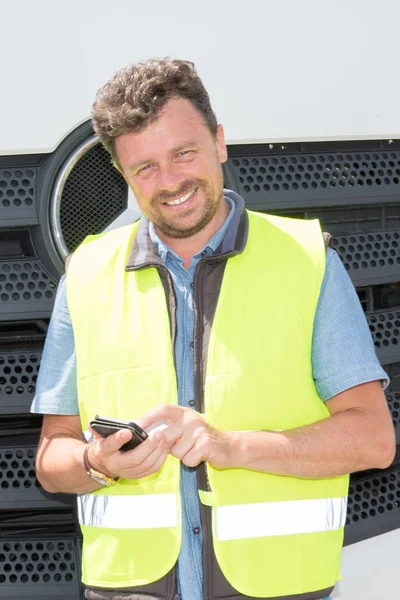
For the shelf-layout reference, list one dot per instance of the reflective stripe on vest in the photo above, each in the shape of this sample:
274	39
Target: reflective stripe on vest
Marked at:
263	519
128	512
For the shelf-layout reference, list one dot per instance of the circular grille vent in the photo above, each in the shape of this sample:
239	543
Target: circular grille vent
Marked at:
37	562
88	196
16	187
373	497
317	171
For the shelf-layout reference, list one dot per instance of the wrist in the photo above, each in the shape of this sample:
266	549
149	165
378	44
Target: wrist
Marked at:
237	451
94	471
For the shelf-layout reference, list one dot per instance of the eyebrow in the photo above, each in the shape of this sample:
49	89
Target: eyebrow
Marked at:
175	150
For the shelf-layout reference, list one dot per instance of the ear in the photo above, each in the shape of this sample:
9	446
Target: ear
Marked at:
220	143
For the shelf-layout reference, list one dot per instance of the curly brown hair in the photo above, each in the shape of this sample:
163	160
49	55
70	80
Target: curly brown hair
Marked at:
136	94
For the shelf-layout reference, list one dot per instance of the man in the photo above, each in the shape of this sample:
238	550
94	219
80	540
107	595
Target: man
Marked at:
240	334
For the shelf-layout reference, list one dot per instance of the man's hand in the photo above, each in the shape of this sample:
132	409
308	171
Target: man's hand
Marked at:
190	438
144	460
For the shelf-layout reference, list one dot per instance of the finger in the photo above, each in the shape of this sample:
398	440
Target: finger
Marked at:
182	446
170	412
192	458
172	434
154	468
151	464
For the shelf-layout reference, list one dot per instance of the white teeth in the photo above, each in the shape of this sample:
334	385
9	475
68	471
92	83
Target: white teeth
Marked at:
180	200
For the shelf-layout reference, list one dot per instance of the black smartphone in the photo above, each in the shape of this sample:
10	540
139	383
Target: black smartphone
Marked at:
106	426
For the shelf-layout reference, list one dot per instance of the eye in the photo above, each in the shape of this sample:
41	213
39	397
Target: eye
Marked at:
185	153
145	168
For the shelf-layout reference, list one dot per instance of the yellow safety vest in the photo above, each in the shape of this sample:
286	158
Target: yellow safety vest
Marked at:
273	535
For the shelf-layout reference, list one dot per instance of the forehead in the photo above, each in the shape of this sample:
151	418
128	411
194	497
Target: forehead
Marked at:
179	123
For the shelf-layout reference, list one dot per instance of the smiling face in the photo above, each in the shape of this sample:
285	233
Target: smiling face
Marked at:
174	169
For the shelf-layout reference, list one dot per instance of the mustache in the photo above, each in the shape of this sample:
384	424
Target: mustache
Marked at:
184	188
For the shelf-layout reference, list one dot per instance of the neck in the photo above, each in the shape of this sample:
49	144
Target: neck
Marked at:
186	248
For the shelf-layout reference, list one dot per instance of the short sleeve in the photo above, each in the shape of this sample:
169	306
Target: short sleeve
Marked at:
343	353
56	391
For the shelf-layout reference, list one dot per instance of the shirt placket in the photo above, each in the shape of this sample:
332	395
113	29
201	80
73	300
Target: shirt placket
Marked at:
192	535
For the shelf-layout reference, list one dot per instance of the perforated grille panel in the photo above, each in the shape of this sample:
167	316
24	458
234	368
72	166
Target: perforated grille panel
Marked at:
19	487
372	256
313	171
25	282
93	196
18	375
374	250
51	564
307	178
373	496
17	469
17	188
373	504
385	330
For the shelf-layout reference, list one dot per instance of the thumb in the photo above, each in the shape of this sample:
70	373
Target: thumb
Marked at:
113	442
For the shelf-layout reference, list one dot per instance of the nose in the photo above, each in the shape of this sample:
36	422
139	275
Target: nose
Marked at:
170	177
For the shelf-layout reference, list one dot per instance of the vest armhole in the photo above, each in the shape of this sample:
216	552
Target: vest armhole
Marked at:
66	262
327	239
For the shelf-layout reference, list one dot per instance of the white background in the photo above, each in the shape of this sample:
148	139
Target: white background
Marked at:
275	69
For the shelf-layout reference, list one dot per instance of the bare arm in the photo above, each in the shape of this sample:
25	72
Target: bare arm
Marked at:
358	435
59	460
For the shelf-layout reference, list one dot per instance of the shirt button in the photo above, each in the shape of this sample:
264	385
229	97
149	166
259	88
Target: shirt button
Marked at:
204	253
192	284
191	402
196	530
191	344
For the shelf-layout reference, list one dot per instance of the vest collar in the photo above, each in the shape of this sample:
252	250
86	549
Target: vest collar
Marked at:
143	253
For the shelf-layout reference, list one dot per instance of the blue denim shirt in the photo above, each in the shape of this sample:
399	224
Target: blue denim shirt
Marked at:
343	356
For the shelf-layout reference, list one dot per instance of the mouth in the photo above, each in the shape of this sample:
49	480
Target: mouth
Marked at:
182	200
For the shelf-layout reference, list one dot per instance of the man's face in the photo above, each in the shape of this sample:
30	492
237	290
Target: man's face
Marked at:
174	169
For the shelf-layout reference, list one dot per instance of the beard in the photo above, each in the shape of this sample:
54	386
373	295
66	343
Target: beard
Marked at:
175	226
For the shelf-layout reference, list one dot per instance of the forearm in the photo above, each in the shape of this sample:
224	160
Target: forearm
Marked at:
59	466
343	443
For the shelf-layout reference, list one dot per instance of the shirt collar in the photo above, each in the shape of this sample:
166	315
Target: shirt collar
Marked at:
164	251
